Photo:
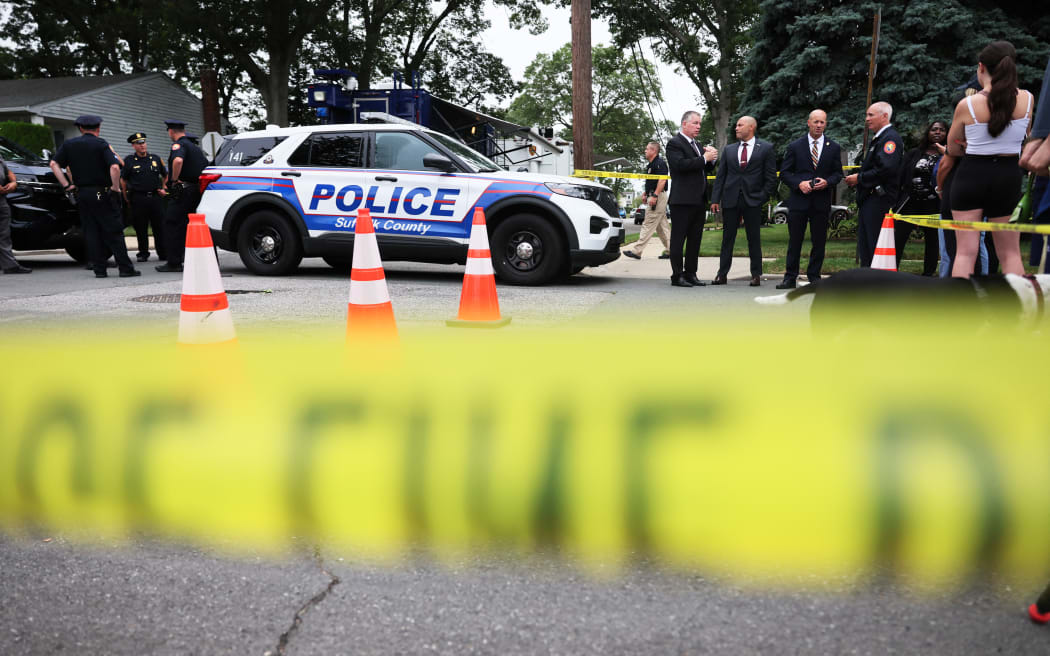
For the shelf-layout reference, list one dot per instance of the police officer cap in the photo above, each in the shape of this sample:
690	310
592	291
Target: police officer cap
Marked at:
137	137
88	121
175	124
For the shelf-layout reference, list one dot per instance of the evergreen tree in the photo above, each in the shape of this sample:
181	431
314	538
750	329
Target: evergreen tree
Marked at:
814	53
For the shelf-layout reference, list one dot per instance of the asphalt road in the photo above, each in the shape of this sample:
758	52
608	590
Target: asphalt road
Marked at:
150	598
60	296
59	594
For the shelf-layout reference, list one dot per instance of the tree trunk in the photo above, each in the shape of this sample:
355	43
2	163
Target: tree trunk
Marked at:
582	136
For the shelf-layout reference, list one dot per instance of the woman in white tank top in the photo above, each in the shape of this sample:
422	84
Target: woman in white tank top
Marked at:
987	132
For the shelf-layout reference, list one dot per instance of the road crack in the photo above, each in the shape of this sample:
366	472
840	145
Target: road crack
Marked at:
297	619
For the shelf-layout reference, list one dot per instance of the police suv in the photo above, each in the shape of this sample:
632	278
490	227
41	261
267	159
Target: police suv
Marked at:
277	195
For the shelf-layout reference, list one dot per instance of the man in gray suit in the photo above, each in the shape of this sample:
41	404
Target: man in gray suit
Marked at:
746	178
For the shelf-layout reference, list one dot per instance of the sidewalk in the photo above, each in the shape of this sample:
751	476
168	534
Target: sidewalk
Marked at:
650	266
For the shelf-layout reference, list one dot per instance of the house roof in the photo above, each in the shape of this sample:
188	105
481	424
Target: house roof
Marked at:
27	93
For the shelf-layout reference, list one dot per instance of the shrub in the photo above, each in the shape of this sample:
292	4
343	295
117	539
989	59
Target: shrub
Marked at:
28	135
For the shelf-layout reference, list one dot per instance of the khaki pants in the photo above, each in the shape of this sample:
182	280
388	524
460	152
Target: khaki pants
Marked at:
655	221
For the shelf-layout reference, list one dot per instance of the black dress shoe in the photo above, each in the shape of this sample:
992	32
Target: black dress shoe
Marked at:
101	274
18	268
169	268
632	255
680	282
787	284
664	256
130	274
142	257
694	281
755	281
719	280
815	278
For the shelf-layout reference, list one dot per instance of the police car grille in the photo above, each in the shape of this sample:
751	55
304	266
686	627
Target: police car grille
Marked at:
607	201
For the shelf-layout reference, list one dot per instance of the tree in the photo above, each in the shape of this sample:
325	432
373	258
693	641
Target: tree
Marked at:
814	53
707	40
621	125
264	38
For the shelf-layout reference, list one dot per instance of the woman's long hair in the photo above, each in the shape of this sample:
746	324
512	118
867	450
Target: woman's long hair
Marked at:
999	59
925	142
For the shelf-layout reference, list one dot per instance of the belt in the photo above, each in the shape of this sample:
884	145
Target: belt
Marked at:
86	187
143	193
968	156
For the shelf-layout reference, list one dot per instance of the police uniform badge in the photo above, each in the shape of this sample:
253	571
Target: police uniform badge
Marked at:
175	146
889	148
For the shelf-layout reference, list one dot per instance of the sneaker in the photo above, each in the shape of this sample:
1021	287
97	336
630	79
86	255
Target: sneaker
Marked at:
632	255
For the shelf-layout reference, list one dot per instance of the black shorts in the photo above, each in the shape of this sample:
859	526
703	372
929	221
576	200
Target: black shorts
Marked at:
987	182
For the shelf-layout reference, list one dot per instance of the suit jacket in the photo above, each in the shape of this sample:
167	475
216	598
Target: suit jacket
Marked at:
798	167
881	168
688	172
757	182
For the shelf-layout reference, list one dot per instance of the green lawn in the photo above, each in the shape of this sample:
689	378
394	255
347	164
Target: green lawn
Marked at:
839	255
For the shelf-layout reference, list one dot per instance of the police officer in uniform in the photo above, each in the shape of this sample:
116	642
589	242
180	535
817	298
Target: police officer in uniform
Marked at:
878	183
185	162
96	182
142	179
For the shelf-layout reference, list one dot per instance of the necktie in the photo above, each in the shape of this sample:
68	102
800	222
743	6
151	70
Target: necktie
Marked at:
696	148
743	154
816	155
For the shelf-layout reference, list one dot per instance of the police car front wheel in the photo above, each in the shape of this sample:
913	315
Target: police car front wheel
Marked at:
527	250
269	245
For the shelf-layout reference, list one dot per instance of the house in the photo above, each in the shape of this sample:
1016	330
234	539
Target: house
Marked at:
126	103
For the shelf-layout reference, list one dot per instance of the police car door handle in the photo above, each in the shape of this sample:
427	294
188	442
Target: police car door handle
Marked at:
294	174
385	178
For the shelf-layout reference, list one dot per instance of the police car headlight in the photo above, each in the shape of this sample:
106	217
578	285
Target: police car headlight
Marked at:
576	191
25	177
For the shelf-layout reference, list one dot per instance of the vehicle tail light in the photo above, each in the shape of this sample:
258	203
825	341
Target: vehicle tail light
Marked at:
208	178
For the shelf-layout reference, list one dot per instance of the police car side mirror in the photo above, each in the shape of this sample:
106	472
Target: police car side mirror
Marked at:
439	162
46	153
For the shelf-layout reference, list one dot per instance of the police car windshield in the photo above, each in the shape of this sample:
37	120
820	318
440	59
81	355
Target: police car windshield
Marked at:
471	157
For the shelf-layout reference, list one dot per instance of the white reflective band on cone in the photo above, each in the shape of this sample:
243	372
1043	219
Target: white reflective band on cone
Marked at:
201	272
366	252
368	292
479	266
479	237
206	327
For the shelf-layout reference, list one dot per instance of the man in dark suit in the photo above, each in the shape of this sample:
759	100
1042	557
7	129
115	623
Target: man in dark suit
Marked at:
878	183
746	178
688	164
812	167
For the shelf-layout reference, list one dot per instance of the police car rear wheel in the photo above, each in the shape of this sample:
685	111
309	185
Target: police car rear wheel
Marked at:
527	250
269	245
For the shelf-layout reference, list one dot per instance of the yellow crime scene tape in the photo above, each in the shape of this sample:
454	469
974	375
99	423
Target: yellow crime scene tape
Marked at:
767	453
934	221
642	176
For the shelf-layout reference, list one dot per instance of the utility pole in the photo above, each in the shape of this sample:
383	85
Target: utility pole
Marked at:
873	67
582	137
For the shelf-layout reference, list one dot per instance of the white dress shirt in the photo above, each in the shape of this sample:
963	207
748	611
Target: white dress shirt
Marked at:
750	150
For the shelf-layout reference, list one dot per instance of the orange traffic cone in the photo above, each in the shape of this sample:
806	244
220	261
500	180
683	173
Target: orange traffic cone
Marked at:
205	313
885	249
369	312
478	305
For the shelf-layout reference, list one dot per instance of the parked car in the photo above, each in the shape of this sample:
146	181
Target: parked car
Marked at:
42	217
839	213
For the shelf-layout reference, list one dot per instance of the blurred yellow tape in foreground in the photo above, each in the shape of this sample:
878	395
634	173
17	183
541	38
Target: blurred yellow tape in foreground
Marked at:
751	453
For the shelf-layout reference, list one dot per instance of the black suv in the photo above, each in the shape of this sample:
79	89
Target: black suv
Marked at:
42	218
